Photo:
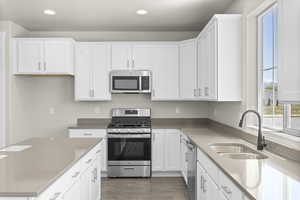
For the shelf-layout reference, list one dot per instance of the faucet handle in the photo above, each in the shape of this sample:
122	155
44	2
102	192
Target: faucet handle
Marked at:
264	141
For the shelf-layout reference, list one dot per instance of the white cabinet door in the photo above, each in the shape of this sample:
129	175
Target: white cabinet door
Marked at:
74	192
86	184
188	69
83	72
204	68
172	151
28	56
200	176
92	72
142	56
157	151
201	66
95	180
165	73
210	189
289	51
59	57
121	56
101	69
211	89
183	150
104	155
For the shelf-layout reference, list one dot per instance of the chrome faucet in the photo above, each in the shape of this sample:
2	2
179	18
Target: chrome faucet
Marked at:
261	143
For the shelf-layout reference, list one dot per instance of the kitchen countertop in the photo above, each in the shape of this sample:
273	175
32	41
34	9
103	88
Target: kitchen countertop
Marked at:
28	173
272	178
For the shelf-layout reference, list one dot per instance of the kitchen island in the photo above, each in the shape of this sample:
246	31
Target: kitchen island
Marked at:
51	168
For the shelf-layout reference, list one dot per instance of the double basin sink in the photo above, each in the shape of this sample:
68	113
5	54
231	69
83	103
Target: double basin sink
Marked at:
237	151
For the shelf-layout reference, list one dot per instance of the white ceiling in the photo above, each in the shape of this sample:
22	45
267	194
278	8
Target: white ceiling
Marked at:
113	15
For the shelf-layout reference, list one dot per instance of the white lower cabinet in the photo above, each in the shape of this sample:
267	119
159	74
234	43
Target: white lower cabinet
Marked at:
212	183
166	150
80	182
206	187
93	133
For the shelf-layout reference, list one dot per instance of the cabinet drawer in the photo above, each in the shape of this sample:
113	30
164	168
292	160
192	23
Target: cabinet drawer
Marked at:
228	188
208	165
87	133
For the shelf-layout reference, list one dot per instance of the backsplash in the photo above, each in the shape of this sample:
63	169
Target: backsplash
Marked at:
44	106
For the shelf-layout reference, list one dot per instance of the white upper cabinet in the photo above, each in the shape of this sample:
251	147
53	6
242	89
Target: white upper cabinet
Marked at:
219	48
188	70
289	51
165	72
28	56
92	71
43	56
162	58
121	56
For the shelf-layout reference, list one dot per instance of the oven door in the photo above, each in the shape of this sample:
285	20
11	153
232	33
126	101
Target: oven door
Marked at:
129	149
125	84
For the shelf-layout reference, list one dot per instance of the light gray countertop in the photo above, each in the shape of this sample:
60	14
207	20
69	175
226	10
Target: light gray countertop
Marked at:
28	173
272	178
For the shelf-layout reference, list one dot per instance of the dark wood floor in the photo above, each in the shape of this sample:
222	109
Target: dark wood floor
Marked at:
144	189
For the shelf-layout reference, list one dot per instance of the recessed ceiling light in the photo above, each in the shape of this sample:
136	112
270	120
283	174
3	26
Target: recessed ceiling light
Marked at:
49	12
142	12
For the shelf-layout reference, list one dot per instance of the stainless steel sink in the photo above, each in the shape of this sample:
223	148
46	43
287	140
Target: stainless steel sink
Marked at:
236	151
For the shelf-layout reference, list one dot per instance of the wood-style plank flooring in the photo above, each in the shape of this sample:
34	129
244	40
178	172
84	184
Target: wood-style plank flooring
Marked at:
144	189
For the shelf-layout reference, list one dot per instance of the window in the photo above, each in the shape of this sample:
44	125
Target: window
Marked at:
276	116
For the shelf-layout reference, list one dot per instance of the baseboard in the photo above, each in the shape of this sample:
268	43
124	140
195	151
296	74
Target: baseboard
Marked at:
166	174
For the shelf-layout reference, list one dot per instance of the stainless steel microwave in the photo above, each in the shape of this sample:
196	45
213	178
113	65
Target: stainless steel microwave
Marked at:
130	81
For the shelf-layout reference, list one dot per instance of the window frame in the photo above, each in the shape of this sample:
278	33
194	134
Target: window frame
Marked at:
260	71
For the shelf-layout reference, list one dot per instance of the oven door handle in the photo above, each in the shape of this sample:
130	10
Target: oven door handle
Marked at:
129	135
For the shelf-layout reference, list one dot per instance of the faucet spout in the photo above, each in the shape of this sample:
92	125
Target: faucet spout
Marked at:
260	139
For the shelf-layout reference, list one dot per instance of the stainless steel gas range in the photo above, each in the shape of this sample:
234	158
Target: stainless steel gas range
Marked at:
129	143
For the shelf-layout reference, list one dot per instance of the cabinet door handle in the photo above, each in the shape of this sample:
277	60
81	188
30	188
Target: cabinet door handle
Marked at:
128	168
92	92
87	134
127	63
204	183
201	183
55	196
76	174
195	92
45	66
133	64
226	189
153	92
39	66
206	91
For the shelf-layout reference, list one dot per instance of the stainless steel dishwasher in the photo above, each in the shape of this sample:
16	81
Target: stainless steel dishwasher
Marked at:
192	170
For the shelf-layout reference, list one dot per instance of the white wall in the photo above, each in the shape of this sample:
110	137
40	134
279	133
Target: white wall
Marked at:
32	98
229	113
